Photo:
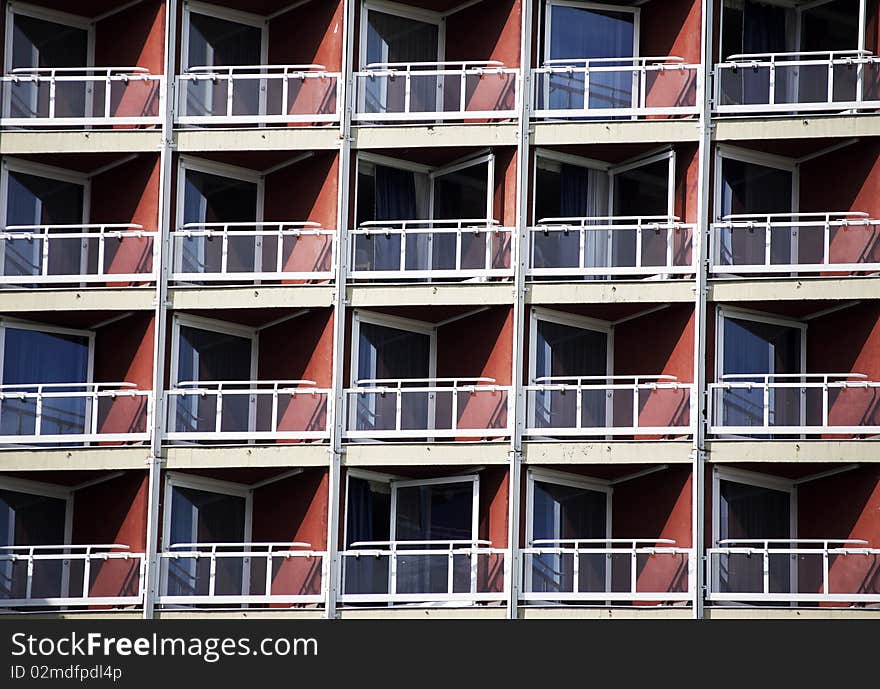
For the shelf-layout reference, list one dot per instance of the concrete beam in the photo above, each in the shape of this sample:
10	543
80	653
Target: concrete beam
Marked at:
434	136
75	459
425	454
604	292
791	289
468	294
608	452
624	131
819	451
224	457
264	139
802	127
94	141
754	613
95	299
419	613
252	297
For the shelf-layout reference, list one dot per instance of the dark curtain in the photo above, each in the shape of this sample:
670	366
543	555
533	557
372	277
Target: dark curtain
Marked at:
368	518
763	32
395	194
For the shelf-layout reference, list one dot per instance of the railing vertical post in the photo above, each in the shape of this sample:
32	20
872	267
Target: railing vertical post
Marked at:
398	408
94	408
218	411
772	95
102	241
766	402
279	249
635	403
38	413
407	86
831	80
229	91
450	569
52	87
765	560
108	94
826	242
768	242
825	419
269	564
826	583
633	569
462	104
87	572
575	567
44	251
212	576
274	423
392	583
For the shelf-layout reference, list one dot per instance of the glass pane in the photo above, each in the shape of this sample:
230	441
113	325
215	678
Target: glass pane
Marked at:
392	353
641	191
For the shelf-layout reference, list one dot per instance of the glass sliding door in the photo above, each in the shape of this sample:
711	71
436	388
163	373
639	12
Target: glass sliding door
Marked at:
40	43
753	349
220	42
562	512
34	357
828	26
433	511
390	38
208	355
638	190
33	199
213	198
28	519
566	190
206	517
747	511
395	354
755	189
580	31
565	352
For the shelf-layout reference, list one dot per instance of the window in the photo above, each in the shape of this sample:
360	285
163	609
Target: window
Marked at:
35	355
750	347
422	514
200	512
219	37
564	348
212	194
207	351
34	514
401	35
39	38
34	194
563	509
579	31
392	349
752	506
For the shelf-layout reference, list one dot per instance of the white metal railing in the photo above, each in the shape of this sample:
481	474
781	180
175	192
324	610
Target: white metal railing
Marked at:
461	249
81	96
70	575
799	81
616	87
606	569
605	246
381	409
795	242
607	406
398	91
241	573
249	410
257	94
429	571
797	570
249	251
74	413
794	404
84	253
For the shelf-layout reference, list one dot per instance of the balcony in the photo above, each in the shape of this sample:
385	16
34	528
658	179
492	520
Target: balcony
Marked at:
606	570
789	82
74	413
257	95
247	411
608	406
236	252
801	243
239	574
793	572
61	576
454	572
610	247
87	254
616	87
81	97
446	91
455	250
428	408
796	404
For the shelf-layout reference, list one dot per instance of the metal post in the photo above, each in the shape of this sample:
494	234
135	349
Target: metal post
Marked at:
330	583
159	326
519	258
701	233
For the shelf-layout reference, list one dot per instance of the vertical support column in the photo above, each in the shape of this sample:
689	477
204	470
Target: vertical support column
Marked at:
337	407
161	256
519	258
701	235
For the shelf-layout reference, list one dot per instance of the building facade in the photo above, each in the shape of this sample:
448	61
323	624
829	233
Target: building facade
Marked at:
494	308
